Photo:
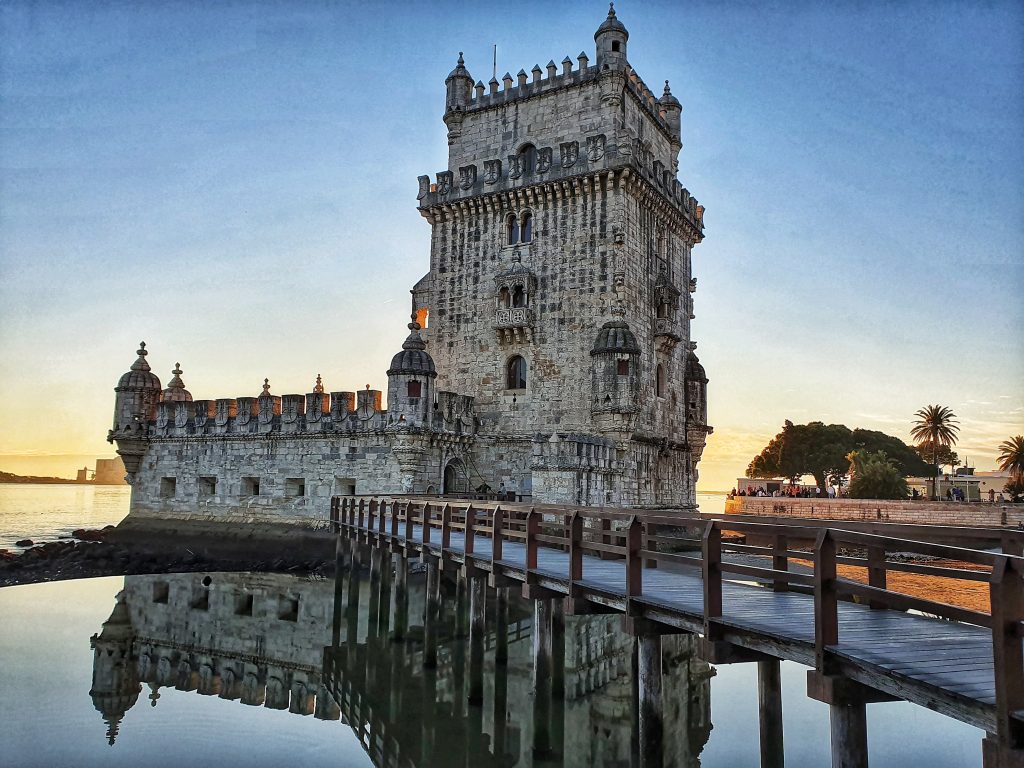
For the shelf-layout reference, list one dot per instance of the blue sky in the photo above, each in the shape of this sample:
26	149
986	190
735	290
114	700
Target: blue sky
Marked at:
236	184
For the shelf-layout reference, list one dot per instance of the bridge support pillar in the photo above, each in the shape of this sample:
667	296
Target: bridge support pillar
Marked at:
542	675
648	679
374	607
352	599
847	700
769	700
384	595
501	626
477	629
431	609
558	649
996	755
401	625
461	600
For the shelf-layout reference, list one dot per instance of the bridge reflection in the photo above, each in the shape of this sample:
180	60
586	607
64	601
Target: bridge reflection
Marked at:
329	649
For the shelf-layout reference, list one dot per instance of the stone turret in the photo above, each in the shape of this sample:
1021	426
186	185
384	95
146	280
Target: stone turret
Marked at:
176	392
611	38
138	394
458	93
411	383
615	376
671	110
115	684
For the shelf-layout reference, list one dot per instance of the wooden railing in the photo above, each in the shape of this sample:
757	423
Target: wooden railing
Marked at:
647	540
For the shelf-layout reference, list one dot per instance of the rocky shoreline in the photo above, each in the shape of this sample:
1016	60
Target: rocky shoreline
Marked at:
92	553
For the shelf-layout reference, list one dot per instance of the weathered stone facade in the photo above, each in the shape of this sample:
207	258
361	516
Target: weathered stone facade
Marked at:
558	303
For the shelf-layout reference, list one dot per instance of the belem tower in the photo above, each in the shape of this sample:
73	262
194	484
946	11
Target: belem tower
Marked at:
549	357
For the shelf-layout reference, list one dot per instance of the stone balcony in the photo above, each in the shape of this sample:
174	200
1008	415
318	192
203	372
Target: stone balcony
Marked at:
667	333
514	324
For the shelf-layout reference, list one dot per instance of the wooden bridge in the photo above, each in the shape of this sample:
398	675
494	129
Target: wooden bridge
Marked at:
864	641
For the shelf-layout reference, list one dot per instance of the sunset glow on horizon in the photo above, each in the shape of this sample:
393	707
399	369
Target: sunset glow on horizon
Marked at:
237	186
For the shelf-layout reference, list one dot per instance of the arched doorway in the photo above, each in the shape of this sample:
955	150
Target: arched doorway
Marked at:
454	480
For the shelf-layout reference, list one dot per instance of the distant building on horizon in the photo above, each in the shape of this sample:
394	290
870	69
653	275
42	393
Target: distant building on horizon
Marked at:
107	472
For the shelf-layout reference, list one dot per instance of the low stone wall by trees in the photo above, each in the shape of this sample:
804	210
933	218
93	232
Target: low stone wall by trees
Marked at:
908	512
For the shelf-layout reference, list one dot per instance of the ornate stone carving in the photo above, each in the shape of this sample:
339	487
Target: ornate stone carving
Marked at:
424	182
569	152
444	182
492	171
467	176
595	147
515	166
544	160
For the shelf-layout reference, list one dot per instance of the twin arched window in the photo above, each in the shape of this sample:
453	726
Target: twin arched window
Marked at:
519	229
515	373
511	299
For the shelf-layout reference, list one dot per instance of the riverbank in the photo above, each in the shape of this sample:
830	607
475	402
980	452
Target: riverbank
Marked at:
981	514
110	552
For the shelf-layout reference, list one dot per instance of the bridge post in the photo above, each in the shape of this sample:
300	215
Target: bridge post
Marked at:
1006	589
500	707
501	626
648	677
375	589
431	608
401	625
384	594
542	675
477	630
769	701
461	603
352	599
849	727
558	648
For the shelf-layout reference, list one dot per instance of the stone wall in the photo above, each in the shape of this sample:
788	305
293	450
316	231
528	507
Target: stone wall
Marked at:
876	510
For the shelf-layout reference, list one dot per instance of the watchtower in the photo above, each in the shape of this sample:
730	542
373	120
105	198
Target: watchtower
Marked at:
560	287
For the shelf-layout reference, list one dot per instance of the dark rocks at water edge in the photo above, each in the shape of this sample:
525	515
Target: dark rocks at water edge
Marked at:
93	555
24	543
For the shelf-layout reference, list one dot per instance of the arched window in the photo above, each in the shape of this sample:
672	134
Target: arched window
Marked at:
518	296
528	155
526	227
515	373
512	230
415	389
659	380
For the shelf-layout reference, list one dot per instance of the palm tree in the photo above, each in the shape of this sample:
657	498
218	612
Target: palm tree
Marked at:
936	426
1011	456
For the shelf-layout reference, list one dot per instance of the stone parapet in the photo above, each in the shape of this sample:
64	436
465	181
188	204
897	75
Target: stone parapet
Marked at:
975	513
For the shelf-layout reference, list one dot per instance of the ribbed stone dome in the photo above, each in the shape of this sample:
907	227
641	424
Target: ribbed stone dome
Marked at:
141	375
460	70
413	359
176	392
611	24
615	336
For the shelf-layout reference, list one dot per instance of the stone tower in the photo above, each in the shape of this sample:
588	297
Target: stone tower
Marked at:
560	287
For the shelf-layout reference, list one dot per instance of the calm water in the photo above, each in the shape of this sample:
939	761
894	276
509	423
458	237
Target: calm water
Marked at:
48	512
261	670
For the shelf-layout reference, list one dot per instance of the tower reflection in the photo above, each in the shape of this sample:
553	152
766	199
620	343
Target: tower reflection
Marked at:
328	649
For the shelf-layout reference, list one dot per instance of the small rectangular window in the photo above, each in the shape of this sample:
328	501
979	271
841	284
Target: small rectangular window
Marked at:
201	600
207	487
168	487
250	486
288	609
623	368
243	605
295	487
415	389
161	591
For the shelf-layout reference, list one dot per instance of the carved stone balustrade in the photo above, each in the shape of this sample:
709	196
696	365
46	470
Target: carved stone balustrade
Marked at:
514	324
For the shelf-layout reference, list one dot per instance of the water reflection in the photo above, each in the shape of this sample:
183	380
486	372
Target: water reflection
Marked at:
327	649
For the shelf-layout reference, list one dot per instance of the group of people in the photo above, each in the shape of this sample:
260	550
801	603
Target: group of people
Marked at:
792	492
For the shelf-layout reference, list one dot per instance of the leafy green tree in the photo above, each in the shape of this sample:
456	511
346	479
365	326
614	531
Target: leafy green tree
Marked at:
936	425
1011	459
782	457
945	456
874	476
906	458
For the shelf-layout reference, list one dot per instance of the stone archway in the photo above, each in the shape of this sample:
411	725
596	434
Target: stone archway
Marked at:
455	479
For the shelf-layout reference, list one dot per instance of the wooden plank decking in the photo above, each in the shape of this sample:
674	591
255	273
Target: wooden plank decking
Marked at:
948	666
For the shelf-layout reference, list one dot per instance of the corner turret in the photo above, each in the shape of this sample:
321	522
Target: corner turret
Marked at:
115	683
458	93
138	393
671	110
410	383
611	38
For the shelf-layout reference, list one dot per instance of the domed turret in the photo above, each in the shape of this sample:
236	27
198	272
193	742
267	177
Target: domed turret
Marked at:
413	360
176	392
410	379
115	685
670	107
138	393
458	86
615	336
611	38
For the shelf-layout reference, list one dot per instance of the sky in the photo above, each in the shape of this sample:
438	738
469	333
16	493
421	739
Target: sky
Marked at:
235	183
